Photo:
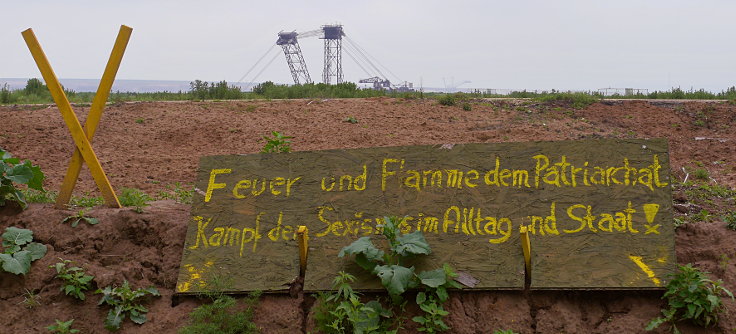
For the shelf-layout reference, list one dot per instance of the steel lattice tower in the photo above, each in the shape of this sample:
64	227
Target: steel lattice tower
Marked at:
333	54
293	53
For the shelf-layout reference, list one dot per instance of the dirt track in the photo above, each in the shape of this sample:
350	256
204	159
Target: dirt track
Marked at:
153	145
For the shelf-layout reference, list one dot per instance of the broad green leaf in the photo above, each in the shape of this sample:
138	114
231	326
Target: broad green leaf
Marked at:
378	308
114	318
36	182
137	317
18	263
421	297
365	246
364	262
36	250
433	278
412	243
91	221
16	236
153	291
714	300
19	197
20	174
419	320
442	293
5	155
394	278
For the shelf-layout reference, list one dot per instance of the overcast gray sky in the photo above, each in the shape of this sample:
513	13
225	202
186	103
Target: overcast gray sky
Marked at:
568	44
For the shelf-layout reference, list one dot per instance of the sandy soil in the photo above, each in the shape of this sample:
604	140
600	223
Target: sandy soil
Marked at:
153	145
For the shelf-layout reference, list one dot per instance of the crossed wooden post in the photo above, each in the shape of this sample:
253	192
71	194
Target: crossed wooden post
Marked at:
82	138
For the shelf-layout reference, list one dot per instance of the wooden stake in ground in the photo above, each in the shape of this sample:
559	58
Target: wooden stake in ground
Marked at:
82	139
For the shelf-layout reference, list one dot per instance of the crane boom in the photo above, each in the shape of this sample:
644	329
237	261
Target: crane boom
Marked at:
293	53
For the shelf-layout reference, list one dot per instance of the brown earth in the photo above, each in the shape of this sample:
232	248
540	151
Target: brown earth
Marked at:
151	146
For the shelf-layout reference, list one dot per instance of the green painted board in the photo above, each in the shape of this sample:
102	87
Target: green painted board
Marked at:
470	200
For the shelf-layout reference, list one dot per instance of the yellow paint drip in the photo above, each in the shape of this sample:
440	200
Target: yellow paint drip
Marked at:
195	277
645	269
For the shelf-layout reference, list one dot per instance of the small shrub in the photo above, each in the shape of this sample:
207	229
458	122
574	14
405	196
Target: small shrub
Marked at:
576	100
76	281
182	194
278	144
19	250
446	100
140	120
342	311
691	295
62	327
30	299
6	95
467	107
730	219
80	216
221	317
390	268
124	301
701	174
13	172
135	198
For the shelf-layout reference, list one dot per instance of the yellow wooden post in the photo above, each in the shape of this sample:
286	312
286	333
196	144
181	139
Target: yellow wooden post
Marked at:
75	128
527	249
95	113
303	235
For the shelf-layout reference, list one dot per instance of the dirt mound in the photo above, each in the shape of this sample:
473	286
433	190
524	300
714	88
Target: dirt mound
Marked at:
151	146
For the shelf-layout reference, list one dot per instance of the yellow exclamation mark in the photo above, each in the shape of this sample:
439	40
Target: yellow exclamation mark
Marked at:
650	211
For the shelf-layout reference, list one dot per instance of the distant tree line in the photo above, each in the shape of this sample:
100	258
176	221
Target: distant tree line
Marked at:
35	92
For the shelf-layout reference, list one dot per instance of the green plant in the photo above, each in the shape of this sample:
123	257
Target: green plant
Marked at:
467	107
76	281
691	295
576	100
446	100
701	173
177	192
140	120
221	316
62	327
80	216
730	219
30	299
124	301
278	144
435	284
86	201
19	250
135	198
251	108
702	216
6	95
351	120
35	196
504	331
724	261
390	268
342	311
13	172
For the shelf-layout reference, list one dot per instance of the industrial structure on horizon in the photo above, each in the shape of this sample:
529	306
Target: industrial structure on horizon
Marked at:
332	72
